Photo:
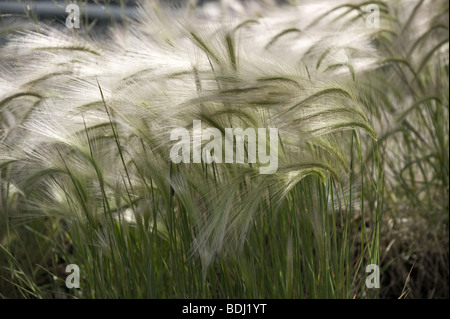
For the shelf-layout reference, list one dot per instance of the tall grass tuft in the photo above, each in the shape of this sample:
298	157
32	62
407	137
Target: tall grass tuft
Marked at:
362	118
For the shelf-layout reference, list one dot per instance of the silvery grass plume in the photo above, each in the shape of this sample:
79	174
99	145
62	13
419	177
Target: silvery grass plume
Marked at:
412	86
86	122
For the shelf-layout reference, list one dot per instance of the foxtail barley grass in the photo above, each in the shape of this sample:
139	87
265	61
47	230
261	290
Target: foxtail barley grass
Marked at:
362	119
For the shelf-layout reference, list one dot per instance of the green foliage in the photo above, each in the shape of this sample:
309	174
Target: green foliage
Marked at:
362	116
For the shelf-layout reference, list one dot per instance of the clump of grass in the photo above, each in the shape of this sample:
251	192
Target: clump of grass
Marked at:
88	150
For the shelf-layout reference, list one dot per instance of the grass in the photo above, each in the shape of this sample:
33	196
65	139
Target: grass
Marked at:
362	116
